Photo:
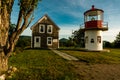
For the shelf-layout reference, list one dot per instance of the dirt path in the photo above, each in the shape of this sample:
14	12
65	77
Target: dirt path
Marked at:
64	55
97	71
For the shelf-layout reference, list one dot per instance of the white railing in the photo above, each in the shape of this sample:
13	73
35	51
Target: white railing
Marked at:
104	25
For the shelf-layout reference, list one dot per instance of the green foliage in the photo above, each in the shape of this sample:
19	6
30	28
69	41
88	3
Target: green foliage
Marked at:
67	42
41	65
78	37
117	41
107	44
24	41
27	6
63	42
76	40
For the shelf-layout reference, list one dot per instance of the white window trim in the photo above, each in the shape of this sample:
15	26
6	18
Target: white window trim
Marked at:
51	40
40	28
49	26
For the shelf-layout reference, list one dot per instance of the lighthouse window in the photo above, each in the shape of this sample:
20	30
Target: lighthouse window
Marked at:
99	39
92	40
92	18
99	17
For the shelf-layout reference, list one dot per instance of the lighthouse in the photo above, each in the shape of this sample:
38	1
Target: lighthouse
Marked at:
94	27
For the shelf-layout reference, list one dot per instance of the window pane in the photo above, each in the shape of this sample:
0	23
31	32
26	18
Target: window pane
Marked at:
92	40
99	39
49	28
49	40
42	28
99	17
37	39
92	18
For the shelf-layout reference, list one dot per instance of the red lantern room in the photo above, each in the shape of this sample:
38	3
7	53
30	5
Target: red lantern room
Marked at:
94	19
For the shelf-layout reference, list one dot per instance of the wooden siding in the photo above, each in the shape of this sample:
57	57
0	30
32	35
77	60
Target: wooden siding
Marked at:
54	34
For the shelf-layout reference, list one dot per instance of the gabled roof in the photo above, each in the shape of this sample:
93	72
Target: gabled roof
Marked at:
43	17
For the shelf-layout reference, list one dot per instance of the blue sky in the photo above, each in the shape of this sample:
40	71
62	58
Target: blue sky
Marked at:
68	15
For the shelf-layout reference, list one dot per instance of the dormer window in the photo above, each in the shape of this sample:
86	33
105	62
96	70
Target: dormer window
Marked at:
42	28
49	29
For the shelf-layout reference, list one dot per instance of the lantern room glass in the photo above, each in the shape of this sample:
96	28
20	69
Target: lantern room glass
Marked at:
92	16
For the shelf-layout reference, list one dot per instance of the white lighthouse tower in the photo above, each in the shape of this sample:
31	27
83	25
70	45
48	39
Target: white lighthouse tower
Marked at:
94	27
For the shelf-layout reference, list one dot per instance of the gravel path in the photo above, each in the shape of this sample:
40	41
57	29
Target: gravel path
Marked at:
64	55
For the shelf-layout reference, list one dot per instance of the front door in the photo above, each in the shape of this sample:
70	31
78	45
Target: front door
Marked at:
37	41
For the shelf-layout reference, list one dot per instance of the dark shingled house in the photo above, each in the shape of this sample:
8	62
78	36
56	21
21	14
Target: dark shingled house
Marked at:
45	33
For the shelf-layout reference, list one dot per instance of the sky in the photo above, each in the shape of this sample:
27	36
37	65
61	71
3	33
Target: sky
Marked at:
68	15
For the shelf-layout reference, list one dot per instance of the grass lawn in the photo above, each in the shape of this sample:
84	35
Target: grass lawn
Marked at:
46	65
112	57
41	65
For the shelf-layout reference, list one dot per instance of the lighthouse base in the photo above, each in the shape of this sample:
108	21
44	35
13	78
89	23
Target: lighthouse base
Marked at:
93	40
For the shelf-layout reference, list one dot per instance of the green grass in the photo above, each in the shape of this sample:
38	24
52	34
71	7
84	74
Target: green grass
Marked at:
112	57
46	65
41	65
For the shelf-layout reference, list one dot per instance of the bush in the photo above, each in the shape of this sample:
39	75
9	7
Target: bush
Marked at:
24	41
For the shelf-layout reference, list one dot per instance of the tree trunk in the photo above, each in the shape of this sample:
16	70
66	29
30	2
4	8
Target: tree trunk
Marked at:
7	42
5	12
3	63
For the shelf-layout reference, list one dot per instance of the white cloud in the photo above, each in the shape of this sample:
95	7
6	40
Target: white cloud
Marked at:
111	34
66	30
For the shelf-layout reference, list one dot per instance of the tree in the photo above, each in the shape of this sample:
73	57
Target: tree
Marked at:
63	42
78	37
24	41
117	41
107	44
8	42
11	28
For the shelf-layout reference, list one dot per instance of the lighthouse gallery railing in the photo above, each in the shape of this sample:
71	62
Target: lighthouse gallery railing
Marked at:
104	25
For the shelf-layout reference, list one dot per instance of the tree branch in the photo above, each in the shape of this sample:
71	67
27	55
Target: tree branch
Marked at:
19	20
22	23
15	35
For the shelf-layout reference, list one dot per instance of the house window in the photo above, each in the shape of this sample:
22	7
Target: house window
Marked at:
99	39
49	29
42	28
49	40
